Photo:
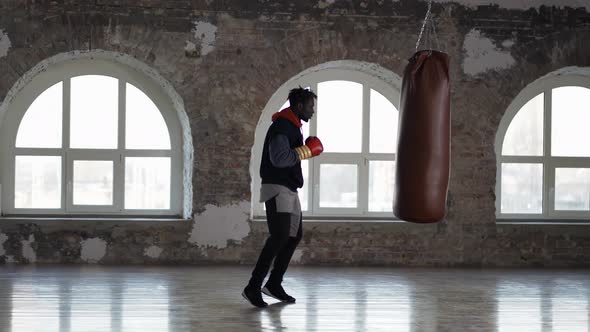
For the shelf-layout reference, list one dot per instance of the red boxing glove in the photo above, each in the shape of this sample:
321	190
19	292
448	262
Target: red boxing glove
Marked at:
315	145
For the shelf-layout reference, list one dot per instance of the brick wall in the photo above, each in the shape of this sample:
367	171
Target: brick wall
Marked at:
226	58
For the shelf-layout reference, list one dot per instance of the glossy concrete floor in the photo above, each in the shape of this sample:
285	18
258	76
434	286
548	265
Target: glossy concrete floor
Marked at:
98	298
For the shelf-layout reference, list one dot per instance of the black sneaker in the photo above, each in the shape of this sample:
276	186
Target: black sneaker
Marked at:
254	296
278	293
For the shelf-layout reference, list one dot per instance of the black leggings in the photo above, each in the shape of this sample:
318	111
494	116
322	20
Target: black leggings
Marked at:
279	246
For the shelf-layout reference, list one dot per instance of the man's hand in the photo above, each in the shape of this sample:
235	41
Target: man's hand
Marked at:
313	147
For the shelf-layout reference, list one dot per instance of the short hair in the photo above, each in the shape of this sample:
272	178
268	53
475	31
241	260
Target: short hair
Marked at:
300	95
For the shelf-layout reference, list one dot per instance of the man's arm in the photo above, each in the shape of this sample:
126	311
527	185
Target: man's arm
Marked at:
281	154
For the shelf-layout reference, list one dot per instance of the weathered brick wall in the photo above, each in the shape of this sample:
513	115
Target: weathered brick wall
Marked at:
226	58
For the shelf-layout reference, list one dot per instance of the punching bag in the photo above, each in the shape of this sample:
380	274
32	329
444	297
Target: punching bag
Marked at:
423	152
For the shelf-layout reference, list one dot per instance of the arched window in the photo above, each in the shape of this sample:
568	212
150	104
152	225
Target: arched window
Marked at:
542	150
356	119
91	136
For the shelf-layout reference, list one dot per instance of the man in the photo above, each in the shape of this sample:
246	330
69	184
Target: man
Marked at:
280	171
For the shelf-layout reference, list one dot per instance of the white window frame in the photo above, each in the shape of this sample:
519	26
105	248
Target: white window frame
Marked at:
63	72
543	85
389	87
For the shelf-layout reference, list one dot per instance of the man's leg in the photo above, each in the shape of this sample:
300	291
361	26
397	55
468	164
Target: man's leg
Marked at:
273	285
278	227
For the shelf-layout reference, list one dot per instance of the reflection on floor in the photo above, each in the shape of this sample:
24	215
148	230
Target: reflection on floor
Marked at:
97	298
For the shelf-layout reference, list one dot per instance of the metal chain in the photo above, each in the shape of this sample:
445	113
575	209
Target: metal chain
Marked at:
431	29
428	12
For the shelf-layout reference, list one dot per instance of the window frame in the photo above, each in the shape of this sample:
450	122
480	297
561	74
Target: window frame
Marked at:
63	72
549	163
389	89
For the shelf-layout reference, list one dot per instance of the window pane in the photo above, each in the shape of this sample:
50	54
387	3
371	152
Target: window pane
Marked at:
37	182
41	124
572	189
339	116
522	188
384	117
524	136
94	109
145	126
93	182
338	186
304	192
147	183
381	185
305	130
285	105
570	117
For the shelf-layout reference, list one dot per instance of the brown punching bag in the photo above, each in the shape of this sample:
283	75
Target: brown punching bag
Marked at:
423	152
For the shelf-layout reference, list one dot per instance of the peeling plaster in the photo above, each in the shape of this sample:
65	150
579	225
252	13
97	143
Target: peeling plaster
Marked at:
297	255
482	55
205	33
4	43
93	250
508	43
28	251
153	251
3	238
325	3
113	38
190	47
216	225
